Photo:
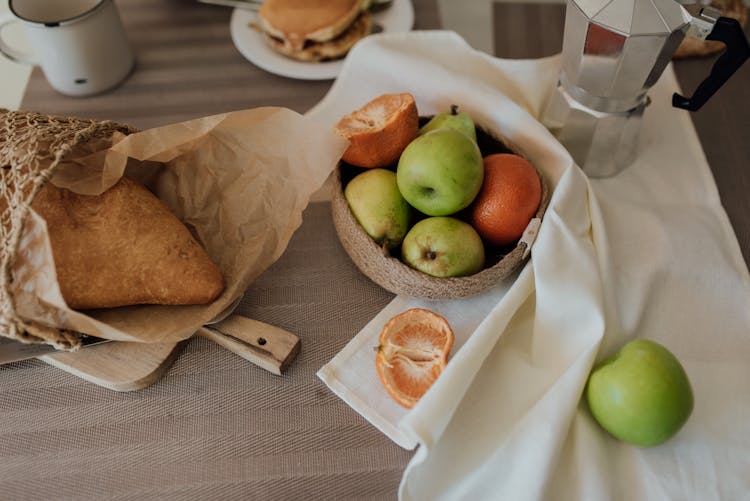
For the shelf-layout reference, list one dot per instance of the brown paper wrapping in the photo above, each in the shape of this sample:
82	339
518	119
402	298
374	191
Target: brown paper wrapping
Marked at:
241	180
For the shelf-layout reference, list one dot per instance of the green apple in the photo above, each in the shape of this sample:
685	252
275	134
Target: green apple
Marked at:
443	247
641	394
452	120
440	172
378	206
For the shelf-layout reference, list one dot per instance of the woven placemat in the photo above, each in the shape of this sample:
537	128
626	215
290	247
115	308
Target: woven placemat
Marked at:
215	426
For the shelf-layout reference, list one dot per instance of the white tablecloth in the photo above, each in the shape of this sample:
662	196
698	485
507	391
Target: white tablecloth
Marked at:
649	253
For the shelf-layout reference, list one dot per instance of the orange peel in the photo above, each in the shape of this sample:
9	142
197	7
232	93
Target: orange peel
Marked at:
413	351
380	130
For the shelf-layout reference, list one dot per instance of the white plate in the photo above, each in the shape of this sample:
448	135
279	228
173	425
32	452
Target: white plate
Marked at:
399	17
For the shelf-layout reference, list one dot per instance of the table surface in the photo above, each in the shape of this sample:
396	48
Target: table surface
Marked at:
215	426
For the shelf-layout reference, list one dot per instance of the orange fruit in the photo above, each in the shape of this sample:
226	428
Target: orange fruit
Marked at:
413	351
380	130
509	198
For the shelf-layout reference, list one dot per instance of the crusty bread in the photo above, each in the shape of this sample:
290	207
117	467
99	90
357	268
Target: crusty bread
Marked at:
124	247
331	49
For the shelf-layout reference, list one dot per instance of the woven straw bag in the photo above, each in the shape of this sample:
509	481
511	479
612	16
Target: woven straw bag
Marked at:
32	147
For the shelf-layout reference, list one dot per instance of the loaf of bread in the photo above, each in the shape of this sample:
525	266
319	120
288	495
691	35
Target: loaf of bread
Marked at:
124	247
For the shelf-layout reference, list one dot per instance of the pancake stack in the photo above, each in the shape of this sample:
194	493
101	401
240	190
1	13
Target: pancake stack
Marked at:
314	30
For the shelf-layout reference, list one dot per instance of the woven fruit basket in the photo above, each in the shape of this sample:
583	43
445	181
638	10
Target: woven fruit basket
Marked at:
388	271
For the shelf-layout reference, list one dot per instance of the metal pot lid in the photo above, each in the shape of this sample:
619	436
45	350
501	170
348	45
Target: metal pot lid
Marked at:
636	17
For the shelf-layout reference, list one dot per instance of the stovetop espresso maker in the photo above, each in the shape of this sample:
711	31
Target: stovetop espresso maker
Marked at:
613	52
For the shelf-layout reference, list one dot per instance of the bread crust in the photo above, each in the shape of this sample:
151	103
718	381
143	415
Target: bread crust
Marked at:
124	247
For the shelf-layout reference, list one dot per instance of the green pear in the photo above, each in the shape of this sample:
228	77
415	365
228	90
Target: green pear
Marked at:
443	247
452	120
379	207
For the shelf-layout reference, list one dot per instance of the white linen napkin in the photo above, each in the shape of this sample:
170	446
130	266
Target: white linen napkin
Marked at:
649	253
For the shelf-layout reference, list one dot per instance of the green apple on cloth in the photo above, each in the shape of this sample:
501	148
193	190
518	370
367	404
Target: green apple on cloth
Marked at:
647	254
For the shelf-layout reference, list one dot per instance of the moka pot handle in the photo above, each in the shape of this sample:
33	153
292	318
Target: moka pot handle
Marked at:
730	32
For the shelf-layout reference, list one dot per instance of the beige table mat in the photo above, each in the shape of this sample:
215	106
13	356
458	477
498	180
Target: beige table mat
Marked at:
216	426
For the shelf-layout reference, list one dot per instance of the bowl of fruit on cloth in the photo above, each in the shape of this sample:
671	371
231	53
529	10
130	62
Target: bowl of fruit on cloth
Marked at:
433	207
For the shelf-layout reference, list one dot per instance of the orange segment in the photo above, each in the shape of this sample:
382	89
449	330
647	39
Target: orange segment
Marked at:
413	351
380	130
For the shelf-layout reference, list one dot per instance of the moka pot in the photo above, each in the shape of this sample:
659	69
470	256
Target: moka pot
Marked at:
613	52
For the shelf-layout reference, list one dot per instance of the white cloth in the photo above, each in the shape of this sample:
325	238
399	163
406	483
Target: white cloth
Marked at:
649	253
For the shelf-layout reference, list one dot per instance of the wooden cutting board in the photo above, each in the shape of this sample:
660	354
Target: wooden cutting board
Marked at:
118	366
122	366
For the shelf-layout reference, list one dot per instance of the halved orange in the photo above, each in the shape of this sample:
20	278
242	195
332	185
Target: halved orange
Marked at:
413	351
380	130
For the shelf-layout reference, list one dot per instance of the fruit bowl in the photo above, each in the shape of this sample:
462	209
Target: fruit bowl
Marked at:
388	271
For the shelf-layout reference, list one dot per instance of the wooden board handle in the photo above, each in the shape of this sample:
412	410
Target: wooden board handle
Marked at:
267	346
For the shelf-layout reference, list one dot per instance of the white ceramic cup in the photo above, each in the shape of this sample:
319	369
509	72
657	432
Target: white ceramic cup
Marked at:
79	44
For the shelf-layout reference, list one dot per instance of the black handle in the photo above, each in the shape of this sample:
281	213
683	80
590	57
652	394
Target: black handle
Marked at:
730	32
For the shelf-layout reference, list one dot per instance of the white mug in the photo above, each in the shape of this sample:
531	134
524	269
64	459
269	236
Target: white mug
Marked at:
79	44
